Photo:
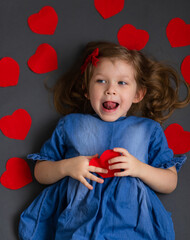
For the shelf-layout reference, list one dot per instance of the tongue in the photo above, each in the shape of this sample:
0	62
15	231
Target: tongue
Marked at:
110	105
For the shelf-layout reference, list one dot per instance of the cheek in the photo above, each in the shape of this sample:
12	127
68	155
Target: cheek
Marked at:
94	99
128	97
94	92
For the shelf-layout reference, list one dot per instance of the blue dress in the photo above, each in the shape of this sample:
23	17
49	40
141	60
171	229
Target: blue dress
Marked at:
120	208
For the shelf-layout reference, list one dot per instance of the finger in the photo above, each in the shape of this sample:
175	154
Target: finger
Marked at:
97	169
117	159
121	174
94	178
121	150
118	166
85	183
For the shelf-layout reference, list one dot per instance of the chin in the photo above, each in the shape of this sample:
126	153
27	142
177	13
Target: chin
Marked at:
109	118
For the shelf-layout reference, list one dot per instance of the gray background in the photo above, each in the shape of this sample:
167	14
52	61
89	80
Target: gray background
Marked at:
79	22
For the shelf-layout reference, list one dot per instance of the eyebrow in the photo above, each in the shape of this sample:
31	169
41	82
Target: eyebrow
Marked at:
99	74
125	76
121	78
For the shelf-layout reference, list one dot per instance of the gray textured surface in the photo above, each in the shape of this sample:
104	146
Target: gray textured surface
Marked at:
79	22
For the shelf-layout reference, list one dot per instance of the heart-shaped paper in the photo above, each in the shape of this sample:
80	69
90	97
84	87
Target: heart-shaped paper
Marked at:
185	69
178	139
102	162
17	174
9	72
16	125
132	38
178	33
44	22
44	60
108	8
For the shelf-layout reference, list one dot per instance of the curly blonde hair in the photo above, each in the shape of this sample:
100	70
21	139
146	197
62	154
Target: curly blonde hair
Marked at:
161	82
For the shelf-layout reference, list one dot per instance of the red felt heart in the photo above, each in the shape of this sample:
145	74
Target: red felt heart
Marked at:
178	33
44	60
16	125
9	72
17	174
185	69
44	22
108	8
132	38
102	162
178	139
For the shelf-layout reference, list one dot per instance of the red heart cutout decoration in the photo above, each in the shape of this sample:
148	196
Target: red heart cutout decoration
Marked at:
108	8
9	72
178	33
102	162
44	22
17	174
44	60
185	69
178	139
132	38
16	125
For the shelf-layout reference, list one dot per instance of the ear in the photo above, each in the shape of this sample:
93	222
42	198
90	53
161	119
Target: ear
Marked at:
87	96
139	95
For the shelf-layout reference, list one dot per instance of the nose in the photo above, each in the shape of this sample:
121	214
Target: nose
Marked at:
110	90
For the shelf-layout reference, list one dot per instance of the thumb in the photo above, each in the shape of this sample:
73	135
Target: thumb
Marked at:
93	156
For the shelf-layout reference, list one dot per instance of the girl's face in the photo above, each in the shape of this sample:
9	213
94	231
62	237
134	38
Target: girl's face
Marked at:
113	89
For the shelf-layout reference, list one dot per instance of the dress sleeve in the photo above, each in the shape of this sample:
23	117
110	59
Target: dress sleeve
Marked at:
54	148
160	155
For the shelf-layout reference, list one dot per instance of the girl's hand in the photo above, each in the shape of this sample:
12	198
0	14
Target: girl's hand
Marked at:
160	180
131	166
78	168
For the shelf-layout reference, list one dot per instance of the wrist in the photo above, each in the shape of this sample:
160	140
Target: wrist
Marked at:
64	167
141	169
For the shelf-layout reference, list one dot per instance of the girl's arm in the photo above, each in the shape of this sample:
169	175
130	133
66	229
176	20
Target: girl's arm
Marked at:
48	172
160	180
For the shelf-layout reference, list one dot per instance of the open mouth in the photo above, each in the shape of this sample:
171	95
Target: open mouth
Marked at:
110	105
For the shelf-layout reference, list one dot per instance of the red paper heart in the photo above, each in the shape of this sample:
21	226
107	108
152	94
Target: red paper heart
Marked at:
17	174
185	69
178	33
16	125
44	22
132	38
178	139
9	72
44	60
102	162
108	8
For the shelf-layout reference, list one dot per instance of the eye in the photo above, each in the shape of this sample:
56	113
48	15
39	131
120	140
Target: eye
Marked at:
100	81
122	83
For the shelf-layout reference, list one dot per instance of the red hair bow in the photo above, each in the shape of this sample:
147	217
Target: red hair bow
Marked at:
91	58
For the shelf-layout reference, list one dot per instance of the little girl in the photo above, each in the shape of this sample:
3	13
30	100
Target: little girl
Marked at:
105	94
